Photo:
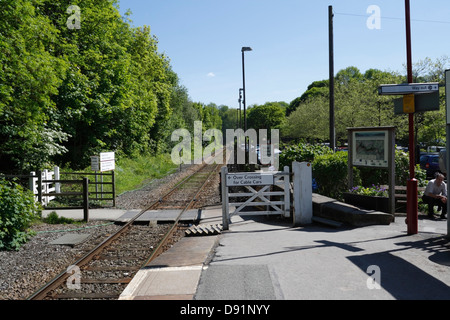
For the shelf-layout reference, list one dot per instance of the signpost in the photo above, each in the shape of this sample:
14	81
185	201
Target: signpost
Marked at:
417	97
107	162
104	162
408	88
249	179
447	108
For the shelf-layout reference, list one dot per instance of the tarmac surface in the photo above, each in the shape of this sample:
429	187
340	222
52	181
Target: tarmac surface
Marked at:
266	258
322	263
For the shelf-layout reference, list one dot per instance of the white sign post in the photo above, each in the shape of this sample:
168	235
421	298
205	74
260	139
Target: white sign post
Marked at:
249	179
104	162
107	162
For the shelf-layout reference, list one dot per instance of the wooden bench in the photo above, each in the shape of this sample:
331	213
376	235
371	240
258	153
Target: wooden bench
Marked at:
400	192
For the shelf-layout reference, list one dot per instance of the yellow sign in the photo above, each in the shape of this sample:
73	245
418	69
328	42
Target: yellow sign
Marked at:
408	103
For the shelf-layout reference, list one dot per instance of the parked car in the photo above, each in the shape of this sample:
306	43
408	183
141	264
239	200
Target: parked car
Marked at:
430	163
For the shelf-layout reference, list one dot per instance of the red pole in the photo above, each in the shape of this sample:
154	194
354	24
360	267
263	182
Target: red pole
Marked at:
411	187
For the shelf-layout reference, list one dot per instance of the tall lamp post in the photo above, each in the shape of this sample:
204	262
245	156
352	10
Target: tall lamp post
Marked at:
243	85
245	100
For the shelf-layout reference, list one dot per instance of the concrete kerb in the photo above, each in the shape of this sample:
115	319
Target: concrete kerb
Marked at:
108	214
329	208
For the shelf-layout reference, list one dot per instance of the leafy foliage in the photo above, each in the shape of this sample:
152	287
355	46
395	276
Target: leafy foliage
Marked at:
29	76
358	104
268	116
17	211
302	152
331	173
67	94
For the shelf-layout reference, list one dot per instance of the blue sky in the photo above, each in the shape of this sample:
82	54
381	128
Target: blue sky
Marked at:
289	38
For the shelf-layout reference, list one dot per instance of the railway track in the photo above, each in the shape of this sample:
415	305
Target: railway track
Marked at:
104	272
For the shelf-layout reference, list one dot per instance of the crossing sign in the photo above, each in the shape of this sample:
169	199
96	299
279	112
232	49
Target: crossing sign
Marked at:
417	97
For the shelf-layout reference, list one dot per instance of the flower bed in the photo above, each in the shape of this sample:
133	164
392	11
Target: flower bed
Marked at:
370	198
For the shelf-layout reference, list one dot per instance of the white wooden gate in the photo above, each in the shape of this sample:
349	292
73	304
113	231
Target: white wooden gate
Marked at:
258	193
45	187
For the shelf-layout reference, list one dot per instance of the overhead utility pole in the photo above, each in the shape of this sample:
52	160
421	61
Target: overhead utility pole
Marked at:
331	78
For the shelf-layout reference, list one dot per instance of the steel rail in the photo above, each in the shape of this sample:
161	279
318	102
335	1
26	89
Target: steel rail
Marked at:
163	242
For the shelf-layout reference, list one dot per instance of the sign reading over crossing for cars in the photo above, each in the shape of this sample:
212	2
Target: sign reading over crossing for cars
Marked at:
249	179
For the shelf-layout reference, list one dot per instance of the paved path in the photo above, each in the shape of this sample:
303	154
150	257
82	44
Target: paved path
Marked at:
268	259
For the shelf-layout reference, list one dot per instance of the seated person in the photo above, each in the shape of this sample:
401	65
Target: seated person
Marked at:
436	195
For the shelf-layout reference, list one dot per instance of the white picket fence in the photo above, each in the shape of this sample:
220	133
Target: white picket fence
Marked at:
46	187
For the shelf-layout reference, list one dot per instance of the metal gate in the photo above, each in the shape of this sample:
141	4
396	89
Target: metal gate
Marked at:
260	196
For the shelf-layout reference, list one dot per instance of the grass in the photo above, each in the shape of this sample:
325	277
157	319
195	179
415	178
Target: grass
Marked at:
131	174
53	218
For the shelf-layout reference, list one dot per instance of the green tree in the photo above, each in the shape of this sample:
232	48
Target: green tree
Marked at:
30	75
357	103
309	121
211	117
97	86
268	116
229	118
316	88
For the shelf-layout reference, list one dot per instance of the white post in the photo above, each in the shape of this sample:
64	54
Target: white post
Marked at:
45	187
57	177
32	184
225	208
302	193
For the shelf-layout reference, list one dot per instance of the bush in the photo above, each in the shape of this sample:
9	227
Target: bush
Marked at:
17	211
302	152
330	170
331	174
